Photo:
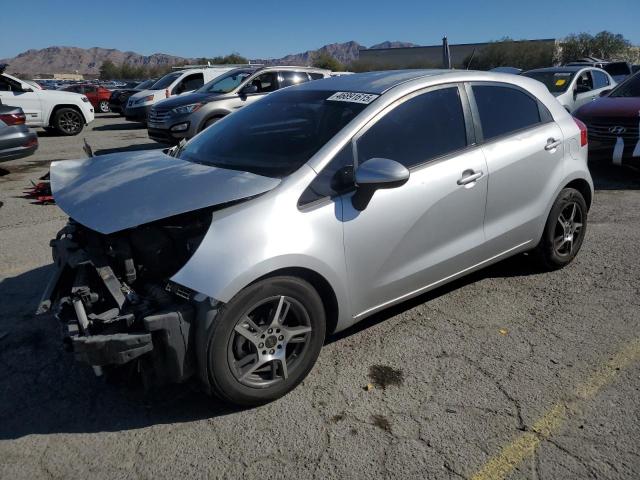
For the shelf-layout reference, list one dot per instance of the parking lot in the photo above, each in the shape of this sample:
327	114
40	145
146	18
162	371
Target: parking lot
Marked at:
509	373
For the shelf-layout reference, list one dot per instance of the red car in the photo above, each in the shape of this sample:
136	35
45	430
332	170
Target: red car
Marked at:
98	96
613	123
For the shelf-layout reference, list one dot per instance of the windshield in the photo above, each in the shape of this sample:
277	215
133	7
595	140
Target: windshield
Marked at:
166	81
226	83
275	136
556	82
628	88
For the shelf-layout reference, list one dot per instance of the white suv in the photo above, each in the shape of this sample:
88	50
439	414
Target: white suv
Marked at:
64	112
174	83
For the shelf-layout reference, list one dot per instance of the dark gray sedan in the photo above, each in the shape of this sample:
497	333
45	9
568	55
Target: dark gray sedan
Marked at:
16	140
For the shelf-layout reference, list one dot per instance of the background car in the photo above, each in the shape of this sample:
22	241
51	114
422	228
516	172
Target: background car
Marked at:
63	112
16	140
187	115
119	97
573	86
174	83
613	123
306	212
97	95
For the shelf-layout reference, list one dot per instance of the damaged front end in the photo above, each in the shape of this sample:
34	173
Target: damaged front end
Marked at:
113	296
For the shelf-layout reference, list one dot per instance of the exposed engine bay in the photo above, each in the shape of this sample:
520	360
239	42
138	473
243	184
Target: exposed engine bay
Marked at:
113	297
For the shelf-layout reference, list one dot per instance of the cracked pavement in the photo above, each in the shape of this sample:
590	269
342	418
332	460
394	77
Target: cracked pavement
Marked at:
471	366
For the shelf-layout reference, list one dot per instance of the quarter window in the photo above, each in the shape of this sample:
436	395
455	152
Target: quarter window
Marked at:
315	76
334	179
504	110
418	130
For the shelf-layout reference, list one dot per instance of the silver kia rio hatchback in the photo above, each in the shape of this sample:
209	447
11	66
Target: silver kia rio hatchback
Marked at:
232	257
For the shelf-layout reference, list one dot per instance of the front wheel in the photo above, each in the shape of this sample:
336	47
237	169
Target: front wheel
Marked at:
565	229
68	121
103	106
265	341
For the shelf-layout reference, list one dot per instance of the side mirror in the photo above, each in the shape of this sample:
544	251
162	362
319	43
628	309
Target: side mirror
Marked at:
250	88
606	92
375	174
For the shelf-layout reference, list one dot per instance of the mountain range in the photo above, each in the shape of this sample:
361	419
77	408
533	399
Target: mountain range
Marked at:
58	59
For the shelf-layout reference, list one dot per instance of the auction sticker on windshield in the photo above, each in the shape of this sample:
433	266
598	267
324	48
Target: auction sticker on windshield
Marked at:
353	97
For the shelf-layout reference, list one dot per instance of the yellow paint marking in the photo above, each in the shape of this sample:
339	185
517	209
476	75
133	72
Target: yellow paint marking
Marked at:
525	445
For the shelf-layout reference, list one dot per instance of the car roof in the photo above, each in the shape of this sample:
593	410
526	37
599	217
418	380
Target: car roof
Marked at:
370	82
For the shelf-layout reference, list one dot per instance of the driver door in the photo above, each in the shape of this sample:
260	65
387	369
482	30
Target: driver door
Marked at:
411	238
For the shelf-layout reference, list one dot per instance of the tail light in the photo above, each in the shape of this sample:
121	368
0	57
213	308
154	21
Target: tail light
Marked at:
167	93
14	118
583	132
31	142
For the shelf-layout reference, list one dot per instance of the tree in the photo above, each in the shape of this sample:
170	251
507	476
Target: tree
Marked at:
108	70
604	45
511	53
326	61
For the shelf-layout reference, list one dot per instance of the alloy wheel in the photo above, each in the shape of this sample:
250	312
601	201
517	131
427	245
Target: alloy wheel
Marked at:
269	341
568	229
104	106
70	122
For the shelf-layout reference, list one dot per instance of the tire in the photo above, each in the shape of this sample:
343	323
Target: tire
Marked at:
103	106
210	122
68	121
564	231
231	341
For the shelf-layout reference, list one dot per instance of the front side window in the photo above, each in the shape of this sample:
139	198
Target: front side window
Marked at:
289	78
418	130
333	179
504	110
600	79
584	82
275	136
192	82
267	82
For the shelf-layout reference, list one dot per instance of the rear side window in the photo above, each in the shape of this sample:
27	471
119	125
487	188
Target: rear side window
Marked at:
600	80
420	129
504	110
292	78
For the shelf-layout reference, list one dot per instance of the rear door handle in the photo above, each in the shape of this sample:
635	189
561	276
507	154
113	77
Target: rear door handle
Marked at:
469	176
552	143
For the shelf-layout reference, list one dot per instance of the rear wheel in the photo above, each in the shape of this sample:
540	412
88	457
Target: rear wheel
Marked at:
68	121
103	106
265	341
565	229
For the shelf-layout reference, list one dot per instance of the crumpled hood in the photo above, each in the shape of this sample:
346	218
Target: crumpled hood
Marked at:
109	193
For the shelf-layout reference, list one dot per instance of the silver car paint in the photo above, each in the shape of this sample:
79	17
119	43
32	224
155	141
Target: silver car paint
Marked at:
113	192
449	236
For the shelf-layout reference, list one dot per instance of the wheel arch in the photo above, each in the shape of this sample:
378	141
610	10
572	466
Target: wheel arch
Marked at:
319	283
215	114
56	108
583	187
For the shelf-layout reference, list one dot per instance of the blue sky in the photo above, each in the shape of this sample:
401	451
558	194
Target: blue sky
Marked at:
272	29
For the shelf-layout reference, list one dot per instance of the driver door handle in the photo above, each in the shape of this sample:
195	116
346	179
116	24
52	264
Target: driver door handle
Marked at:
469	176
552	143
